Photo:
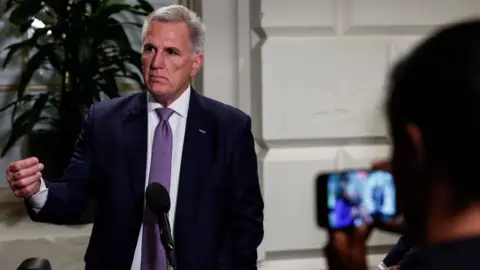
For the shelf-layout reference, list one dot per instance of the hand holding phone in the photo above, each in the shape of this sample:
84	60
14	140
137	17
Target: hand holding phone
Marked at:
353	198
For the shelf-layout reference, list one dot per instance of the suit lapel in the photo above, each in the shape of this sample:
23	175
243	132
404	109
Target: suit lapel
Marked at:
135	132
196	156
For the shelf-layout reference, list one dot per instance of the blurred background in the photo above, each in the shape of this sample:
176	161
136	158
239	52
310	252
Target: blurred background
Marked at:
311	73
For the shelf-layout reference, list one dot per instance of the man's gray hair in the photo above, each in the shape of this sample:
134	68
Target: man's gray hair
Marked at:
179	13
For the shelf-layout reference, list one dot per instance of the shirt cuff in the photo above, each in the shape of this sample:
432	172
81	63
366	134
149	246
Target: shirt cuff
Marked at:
38	200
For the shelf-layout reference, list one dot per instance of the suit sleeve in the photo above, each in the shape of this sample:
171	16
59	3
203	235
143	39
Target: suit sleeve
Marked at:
396	254
248	204
67	200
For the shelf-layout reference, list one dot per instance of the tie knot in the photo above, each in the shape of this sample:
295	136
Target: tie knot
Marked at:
164	113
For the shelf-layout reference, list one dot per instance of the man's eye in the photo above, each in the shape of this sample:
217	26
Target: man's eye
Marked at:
171	51
147	48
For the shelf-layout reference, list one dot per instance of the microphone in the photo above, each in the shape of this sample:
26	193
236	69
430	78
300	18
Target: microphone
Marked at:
35	264
158	201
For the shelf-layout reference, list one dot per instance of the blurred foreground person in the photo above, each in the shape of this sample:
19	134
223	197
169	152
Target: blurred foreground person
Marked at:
434	116
433	110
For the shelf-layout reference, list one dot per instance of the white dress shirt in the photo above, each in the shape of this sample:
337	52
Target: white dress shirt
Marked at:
177	122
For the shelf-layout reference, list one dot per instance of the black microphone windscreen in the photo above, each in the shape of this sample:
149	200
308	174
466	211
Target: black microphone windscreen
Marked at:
157	197
35	264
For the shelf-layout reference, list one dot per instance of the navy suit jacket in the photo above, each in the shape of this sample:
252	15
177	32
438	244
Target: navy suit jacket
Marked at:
219	215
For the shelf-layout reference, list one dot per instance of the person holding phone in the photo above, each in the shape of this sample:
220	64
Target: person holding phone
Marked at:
433	110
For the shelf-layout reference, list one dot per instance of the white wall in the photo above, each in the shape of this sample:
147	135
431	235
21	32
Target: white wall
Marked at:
311	73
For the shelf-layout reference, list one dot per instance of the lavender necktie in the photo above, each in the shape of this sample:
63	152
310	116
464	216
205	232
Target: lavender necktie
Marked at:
153	254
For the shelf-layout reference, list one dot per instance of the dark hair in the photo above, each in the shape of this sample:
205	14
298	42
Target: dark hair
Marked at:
437	88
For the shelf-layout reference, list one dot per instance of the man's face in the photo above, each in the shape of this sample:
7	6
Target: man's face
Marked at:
168	61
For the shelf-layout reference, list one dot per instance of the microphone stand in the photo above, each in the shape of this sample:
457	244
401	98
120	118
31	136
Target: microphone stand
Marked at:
167	241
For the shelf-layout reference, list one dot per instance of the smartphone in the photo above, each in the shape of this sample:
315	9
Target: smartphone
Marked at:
352	198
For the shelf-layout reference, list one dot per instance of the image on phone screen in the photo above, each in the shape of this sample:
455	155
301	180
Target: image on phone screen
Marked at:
360	197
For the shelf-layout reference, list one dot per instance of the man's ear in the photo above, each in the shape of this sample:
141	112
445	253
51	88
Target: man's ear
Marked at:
415	135
197	63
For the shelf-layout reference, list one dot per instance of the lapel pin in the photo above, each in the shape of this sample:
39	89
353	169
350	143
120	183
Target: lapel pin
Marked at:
202	131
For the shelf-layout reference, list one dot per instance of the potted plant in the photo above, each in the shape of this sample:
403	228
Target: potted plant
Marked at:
86	45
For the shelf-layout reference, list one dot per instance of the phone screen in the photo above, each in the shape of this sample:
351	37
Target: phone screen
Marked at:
359	197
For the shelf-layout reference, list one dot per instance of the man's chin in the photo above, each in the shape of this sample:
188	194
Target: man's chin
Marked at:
160	91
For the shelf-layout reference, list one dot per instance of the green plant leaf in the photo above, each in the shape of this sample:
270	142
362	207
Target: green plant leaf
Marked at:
24	10
56	62
86	45
13	48
110	87
146	6
9	105
26	98
134	76
117	33
58	7
140	25
105	2
10	4
27	24
25	122
135	58
33	64
112	9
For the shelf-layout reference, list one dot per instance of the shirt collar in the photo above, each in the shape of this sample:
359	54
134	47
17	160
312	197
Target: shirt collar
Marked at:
179	106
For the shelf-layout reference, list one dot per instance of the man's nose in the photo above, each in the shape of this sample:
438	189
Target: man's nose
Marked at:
158	61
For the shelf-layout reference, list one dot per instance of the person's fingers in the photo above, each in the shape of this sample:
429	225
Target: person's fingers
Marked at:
23	173
26	181
27	191
345	251
361	233
336	260
22	164
396	225
358	241
339	242
383	165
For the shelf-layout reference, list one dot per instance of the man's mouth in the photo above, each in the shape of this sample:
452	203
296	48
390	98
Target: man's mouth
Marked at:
158	78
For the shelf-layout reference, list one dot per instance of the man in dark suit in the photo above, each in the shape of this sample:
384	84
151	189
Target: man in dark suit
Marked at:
201	150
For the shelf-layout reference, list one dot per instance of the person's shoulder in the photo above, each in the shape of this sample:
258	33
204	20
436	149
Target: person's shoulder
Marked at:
225	113
117	104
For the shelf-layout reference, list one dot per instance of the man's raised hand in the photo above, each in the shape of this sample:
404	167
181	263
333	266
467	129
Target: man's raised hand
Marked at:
24	177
